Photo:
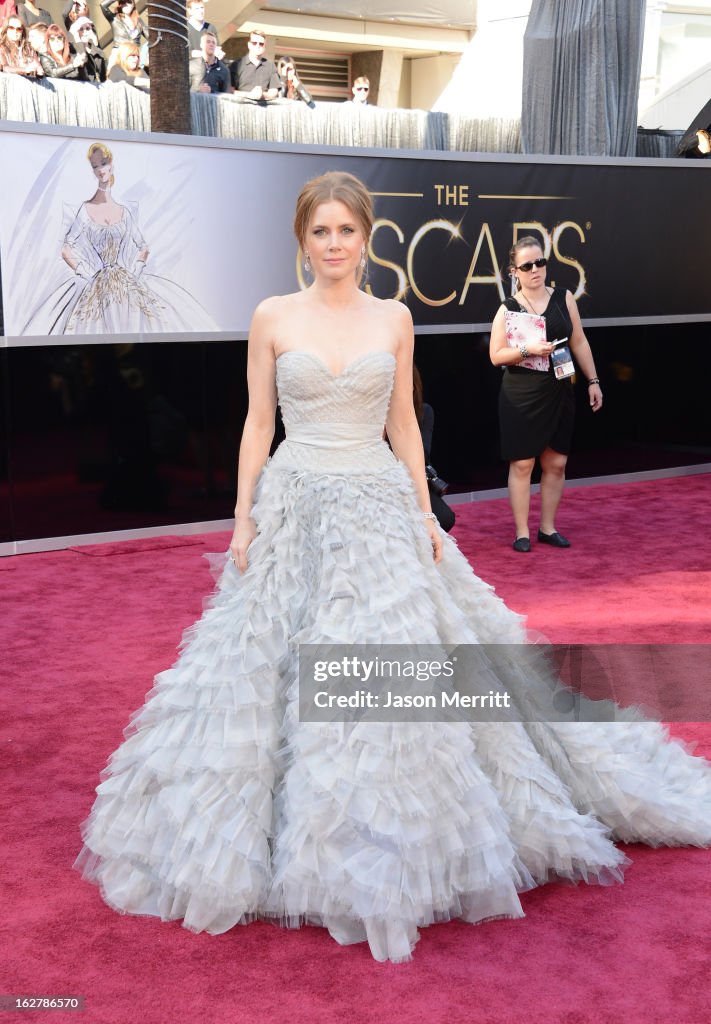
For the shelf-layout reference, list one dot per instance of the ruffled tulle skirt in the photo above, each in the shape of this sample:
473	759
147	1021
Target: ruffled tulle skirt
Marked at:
221	806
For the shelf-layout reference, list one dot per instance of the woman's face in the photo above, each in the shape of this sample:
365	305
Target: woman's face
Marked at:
334	240
132	61
102	167
127	8
56	44
534	277
15	31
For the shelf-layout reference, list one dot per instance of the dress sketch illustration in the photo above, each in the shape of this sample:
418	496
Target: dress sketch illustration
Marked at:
110	290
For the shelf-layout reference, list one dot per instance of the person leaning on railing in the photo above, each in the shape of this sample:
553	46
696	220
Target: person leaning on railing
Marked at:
253	76
207	72
37	37
125	66
292	88
58	61
83	33
360	91
16	55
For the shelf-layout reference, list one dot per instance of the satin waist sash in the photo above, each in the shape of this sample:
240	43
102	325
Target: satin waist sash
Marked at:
335	436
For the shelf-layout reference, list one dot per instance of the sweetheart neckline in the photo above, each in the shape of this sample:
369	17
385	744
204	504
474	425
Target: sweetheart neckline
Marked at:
344	371
104	224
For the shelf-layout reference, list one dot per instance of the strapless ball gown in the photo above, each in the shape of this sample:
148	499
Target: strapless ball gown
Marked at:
221	806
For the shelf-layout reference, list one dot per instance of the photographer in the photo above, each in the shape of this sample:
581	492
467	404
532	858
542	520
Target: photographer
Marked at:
74	9
437	486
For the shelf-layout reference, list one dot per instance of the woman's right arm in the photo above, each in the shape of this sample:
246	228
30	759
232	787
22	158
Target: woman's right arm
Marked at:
54	70
503	354
28	69
258	432
69	257
70	254
106	6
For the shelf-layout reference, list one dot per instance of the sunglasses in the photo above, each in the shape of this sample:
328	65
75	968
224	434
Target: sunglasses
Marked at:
525	267
86	28
362	88
255	42
15	28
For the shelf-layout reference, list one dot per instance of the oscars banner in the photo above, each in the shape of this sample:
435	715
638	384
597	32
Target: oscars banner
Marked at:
106	236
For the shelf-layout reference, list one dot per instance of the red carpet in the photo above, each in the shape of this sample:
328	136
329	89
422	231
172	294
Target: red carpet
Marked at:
85	630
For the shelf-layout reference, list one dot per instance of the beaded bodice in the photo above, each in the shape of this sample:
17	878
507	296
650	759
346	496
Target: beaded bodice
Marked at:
335	422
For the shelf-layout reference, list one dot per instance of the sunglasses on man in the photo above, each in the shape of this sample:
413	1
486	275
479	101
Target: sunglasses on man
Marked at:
526	267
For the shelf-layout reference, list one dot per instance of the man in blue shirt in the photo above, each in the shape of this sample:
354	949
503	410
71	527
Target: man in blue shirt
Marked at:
208	73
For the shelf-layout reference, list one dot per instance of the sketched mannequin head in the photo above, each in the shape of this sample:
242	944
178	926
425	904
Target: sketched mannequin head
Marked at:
102	163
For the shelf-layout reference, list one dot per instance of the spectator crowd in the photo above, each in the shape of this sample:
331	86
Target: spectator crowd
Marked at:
34	46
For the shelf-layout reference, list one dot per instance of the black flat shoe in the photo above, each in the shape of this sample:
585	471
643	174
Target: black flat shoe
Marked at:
522	544
556	540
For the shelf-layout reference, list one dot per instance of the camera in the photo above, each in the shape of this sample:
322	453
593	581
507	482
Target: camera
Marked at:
438	485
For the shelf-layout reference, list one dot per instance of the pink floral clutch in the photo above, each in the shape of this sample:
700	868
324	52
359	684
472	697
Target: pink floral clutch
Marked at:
522	328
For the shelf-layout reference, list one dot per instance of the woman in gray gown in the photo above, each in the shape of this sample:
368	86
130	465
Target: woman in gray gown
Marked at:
224	804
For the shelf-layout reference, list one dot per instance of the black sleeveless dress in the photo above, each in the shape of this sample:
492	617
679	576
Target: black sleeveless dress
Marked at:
536	411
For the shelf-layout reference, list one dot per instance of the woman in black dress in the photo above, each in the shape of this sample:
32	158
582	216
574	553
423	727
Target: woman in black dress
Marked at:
536	410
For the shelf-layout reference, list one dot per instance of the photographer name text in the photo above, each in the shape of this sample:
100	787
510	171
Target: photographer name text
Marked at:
388	699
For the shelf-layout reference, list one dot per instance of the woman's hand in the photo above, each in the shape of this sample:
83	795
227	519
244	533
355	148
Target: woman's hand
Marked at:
244	534
539	348
595	397
435	538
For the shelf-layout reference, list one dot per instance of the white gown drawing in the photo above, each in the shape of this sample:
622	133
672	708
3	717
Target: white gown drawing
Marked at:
109	288
221	806
116	296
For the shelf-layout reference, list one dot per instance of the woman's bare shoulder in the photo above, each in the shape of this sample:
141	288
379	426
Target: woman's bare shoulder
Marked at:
276	306
395	310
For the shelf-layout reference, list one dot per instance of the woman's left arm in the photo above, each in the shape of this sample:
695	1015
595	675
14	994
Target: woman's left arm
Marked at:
401	424
580	347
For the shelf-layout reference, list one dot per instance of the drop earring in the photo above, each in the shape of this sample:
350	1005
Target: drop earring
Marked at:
362	258
307	263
